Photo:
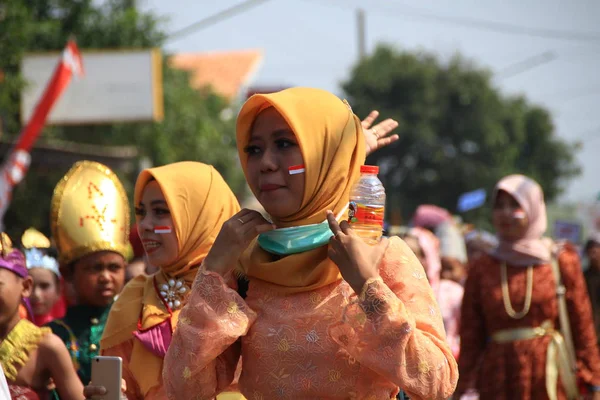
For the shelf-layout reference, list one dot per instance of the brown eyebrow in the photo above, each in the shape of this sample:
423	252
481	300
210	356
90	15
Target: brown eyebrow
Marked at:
155	203
277	133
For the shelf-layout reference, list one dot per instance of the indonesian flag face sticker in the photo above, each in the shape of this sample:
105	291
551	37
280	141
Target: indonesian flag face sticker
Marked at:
162	229
519	214
297	169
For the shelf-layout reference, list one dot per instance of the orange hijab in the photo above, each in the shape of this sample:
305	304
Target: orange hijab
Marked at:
332	144
200	202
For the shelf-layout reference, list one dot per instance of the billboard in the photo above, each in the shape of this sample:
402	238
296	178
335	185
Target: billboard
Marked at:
117	86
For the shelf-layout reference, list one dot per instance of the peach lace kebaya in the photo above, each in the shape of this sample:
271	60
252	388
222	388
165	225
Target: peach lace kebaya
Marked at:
140	324
312	337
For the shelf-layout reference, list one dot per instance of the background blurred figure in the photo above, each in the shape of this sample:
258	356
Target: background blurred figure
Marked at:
592	277
453	270
514	347
92	255
443	225
479	243
448	293
47	301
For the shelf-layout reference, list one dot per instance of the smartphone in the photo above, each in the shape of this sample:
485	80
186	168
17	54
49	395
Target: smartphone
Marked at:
106	371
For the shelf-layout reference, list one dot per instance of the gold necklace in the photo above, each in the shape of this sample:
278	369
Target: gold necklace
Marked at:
506	295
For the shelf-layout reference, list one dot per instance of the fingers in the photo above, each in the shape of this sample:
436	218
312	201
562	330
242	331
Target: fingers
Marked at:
331	252
367	122
90	391
385	127
264	228
255	224
245	215
345	227
382	142
333	224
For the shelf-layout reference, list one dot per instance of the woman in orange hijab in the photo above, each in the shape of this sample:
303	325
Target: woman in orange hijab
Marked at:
334	318
180	209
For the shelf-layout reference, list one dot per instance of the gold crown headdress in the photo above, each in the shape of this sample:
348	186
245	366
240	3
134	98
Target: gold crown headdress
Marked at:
89	213
32	238
5	244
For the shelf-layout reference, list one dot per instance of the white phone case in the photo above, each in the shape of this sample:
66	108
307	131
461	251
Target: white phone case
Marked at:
106	371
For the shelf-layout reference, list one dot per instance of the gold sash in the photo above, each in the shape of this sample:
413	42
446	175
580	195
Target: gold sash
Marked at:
16	347
557	357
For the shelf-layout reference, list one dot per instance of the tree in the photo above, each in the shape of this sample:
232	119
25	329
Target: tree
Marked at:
192	129
457	132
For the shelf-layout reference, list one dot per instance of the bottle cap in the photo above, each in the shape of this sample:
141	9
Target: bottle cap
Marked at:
369	169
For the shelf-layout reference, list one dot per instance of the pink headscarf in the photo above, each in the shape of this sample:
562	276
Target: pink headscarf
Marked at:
430	245
430	216
448	294
530	249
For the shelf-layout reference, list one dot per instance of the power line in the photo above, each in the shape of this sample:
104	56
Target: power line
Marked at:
526	65
502	27
486	25
215	18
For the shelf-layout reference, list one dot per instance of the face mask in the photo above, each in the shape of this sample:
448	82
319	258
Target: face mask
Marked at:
297	239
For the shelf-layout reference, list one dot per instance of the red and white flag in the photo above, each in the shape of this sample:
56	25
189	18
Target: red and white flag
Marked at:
70	65
16	165
162	229
297	169
519	214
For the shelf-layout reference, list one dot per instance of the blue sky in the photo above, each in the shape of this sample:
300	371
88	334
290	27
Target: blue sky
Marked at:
314	43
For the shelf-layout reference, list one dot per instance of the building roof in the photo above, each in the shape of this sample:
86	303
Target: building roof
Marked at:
227	72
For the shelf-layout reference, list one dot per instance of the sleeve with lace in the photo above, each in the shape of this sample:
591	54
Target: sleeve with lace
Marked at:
472	330
205	350
580	318
395	328
123	350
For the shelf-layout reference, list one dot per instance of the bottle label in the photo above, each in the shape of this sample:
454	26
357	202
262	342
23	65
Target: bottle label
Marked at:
365	214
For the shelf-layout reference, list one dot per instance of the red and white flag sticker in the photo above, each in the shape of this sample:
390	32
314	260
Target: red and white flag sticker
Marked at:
519	214
162	229
297	169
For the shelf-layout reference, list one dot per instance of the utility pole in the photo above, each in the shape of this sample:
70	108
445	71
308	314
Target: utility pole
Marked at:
360	22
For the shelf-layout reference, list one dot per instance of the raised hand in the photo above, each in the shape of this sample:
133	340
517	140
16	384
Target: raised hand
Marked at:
377	136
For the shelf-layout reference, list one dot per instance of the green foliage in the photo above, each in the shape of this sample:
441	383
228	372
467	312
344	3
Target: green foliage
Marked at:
192	128
457	132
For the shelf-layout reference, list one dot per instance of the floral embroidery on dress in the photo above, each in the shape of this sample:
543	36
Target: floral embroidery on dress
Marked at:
327	343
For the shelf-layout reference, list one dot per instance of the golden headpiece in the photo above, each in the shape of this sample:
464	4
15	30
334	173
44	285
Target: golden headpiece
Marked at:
5	244
89	213
32	238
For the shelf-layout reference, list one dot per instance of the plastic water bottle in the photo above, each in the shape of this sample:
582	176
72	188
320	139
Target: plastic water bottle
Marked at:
367	205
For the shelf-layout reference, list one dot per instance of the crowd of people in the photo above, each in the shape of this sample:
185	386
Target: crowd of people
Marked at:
198	307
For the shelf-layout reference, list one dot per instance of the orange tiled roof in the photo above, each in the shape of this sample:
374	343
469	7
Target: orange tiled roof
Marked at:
227	72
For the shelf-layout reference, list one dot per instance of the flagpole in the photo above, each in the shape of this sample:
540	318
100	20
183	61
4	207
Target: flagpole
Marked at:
17	162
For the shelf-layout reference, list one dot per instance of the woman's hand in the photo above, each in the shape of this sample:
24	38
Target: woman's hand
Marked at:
236	234
90	390
356	260
376	137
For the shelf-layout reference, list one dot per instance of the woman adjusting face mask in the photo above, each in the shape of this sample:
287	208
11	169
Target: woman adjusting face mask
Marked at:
318	296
